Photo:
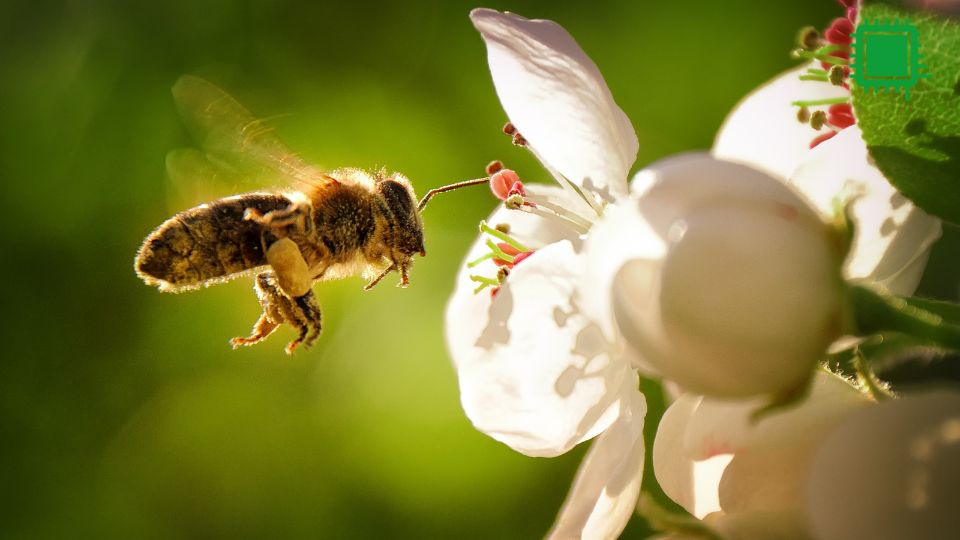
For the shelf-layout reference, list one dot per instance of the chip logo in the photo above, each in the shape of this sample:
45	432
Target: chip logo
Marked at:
886	54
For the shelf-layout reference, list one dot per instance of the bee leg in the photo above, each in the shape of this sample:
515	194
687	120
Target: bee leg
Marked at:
297	215
302	313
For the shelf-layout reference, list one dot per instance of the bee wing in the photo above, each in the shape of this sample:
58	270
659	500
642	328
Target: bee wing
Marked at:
233	140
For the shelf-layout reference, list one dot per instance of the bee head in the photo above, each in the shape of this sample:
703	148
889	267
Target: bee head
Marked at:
401	203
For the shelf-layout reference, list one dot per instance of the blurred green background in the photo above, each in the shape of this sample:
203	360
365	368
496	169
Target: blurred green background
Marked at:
125	414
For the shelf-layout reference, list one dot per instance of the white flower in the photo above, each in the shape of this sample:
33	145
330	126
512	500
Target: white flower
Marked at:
893	237
746	479
543	364
536	371
895	469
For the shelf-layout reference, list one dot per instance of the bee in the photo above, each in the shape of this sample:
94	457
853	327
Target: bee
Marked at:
331	225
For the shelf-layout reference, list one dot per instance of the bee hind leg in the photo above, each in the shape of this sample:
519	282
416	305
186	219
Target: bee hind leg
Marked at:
302	313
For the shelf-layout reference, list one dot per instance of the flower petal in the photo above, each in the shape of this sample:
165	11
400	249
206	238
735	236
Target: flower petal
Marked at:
762	130
467	313
605	492
536	374
896	469
690	483
893	237
556	97
621	235
769	457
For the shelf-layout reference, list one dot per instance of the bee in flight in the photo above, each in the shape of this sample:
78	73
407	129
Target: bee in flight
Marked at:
331	225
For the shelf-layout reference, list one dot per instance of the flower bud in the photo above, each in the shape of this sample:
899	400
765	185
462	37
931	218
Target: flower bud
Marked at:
746	294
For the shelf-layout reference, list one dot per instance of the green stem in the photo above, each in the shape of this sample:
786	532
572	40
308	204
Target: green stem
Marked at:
876	312
821	78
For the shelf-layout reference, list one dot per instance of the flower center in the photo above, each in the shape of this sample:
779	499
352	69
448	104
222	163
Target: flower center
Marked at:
833	52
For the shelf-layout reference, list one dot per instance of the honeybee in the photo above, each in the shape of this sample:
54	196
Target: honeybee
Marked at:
332	225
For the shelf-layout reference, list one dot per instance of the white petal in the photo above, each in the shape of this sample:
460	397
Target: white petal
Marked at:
537	374
467	313
621	235
893	237
605	492
768	457
691	483
890	471
557	98
762	130
787	524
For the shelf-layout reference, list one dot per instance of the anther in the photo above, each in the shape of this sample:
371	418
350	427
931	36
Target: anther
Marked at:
837	75
494	167
818	119
509	128
808	38
803	115
518	140
503	227
514	201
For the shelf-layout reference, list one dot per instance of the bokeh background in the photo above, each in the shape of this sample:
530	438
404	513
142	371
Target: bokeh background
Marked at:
123	411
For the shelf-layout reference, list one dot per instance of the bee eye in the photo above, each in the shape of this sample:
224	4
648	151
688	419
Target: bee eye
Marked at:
397	198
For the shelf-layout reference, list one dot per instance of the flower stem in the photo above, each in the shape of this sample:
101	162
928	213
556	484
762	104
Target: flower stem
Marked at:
876	312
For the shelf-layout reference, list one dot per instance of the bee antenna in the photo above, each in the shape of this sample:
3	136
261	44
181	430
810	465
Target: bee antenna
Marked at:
450	187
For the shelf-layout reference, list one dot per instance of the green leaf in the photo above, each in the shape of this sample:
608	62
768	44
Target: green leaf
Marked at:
916	142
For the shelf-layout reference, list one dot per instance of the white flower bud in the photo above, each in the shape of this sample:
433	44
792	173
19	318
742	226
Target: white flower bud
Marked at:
747	294
890	471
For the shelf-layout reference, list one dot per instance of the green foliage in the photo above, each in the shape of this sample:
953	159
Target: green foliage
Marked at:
916	143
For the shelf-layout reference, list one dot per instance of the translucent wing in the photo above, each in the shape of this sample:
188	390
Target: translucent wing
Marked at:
233	140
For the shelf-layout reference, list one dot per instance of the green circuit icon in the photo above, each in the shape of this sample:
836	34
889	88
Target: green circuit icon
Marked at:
886	55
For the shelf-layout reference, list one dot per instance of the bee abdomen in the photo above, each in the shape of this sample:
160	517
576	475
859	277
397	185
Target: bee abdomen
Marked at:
206	244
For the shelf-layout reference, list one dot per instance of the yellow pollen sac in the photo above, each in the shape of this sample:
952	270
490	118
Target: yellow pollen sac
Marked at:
292	272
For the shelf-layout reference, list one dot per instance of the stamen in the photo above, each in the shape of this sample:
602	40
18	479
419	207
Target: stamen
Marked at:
550	215
566	184
803	115
818	119
502	236
494	167
503	227
817	102
560	211
484	282
808	38
825	54
837	75
480	259
499	253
